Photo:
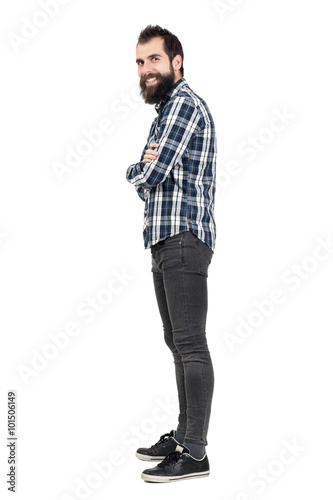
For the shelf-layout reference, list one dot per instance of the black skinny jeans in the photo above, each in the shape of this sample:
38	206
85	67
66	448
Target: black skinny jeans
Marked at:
180	270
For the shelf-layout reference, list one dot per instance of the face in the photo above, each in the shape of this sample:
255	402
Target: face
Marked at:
157	74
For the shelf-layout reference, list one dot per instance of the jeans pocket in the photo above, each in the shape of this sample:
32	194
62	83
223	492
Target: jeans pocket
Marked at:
205	256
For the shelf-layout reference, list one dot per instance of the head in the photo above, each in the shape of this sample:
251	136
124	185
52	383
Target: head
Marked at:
159	56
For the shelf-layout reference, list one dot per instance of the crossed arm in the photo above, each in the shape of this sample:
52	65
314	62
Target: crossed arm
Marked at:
177	128
149	156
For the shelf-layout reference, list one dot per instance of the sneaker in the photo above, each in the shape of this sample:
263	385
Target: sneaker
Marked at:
166	444
176	466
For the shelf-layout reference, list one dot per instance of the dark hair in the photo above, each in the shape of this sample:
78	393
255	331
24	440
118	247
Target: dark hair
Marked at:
172	45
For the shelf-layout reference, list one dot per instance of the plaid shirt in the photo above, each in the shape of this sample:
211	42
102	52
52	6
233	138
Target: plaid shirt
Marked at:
178	187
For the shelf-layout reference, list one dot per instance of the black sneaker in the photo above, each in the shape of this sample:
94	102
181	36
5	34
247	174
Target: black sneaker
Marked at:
166	444
176	466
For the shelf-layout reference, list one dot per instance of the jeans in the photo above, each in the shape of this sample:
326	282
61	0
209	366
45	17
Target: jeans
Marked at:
180	270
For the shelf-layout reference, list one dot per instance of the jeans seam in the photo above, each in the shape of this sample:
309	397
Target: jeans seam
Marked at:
185	305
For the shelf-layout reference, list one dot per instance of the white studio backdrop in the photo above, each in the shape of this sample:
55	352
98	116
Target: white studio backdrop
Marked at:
82	341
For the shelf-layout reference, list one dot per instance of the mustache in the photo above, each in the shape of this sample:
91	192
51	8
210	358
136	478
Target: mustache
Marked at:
144	78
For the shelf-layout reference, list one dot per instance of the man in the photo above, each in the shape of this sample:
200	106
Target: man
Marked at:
175	177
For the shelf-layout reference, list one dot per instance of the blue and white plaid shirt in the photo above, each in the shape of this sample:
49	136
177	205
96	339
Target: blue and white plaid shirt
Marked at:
178	187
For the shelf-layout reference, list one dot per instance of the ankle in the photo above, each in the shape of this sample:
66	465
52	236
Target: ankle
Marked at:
196	450
180	437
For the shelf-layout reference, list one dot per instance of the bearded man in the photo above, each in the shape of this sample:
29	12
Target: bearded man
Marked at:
176	179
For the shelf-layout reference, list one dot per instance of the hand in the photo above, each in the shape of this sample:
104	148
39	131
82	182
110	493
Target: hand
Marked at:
150	154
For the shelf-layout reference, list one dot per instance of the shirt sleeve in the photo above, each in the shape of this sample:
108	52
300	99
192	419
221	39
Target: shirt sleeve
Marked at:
178	125
139	189
141	192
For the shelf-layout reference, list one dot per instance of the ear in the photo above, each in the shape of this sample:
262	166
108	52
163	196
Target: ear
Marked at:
177	62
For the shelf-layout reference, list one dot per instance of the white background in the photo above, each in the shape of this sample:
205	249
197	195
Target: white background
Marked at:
63	239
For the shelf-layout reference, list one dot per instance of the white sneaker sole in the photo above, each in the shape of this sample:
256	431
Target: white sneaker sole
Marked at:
148	458
169	479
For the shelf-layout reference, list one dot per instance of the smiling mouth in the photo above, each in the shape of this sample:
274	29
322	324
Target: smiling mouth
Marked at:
151	81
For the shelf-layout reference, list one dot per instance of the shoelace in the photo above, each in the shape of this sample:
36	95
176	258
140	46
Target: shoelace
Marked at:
173	457
163	438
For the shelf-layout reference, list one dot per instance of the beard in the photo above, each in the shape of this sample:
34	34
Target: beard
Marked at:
154	94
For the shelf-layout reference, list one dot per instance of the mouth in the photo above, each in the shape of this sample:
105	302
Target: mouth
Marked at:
151	81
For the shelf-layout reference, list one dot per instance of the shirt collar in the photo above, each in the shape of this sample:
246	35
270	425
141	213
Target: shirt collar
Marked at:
179	84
